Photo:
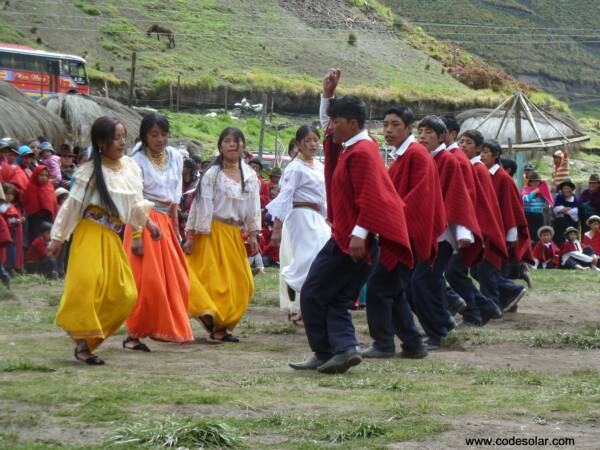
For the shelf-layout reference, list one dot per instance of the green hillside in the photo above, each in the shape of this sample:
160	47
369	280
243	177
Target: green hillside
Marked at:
553	44
280	46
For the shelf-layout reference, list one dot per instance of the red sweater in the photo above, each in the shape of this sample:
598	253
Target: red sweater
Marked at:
593	242
360	192
547	254
513	214
37	251
458	203
415	177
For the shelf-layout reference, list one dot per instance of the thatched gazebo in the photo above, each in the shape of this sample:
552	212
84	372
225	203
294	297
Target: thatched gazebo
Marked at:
24	120
80	111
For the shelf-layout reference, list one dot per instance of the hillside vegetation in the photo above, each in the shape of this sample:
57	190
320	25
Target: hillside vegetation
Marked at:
277	46
553	44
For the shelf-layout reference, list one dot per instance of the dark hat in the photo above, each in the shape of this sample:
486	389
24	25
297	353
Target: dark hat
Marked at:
567	182
275	172
256	161
528	167
45	226
66	152
570	230
594	177
544	229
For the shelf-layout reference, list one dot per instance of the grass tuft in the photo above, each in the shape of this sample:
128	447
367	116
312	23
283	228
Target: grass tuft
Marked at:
23	365
587	340
6	294
360	430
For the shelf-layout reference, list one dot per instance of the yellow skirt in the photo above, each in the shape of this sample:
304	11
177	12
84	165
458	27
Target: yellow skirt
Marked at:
99	289
221	282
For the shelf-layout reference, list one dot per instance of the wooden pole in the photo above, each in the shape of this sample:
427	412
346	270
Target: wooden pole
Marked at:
519	157
263	123
370	115
171	96
132	79
106	88
178	91
226	97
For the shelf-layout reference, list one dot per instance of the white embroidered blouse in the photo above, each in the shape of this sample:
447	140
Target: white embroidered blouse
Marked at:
125	186
300	183
221	198
161	185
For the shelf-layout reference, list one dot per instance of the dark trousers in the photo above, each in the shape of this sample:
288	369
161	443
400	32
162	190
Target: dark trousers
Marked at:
535	221
571	262
333	283
489	279
457	276
388	311
428	290
46	266
507	288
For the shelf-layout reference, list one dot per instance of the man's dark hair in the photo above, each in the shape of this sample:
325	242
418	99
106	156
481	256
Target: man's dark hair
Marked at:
451	124
434	123
510	165
348	107
291	146
404	112
475	136
494	147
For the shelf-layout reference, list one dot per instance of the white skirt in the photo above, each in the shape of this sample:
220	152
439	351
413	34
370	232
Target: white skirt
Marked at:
304	234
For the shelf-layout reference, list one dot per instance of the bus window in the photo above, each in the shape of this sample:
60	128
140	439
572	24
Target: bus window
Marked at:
75	70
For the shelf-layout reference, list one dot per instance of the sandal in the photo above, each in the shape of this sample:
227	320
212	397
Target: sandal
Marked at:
92	360
139	346
231	338
296	319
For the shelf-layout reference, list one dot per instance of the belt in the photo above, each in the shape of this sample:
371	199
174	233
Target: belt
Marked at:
161	207
101	217
313	206
233	222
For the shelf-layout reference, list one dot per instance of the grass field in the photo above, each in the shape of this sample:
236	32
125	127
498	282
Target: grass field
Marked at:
534	373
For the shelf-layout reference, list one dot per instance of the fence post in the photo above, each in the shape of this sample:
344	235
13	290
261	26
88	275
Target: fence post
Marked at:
263	123
132	79
178	91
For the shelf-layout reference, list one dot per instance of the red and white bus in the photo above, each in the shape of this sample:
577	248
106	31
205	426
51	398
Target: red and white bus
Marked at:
38	73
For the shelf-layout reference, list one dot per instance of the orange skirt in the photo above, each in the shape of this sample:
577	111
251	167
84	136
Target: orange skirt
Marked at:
161	277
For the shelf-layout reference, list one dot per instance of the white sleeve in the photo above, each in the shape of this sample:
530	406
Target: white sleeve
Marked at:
68	217
360	232
323	117
253	219
464	233
201	212
511	235
282	205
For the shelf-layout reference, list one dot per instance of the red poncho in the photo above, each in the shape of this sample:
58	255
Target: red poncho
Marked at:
513	214
415	177
264	192
5	239
547	254
10	214
467	171
39	196
489	217
592	241
15	176
458	203
360	192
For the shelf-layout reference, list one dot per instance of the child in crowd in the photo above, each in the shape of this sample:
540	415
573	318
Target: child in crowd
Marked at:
5	241
39	202
269	251
546	253
255	258
14	219
592	237
37	260
51	161
573	255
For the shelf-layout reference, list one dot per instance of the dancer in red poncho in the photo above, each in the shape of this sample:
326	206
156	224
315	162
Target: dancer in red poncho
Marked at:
503	291
416	180
362	202
39	202
479	308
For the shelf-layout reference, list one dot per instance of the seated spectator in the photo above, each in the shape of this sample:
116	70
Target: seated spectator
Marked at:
37	259
257	165
566	210
561	167
255	258
269	251
592	237
51	161
546	254
535	197
573	255
589	201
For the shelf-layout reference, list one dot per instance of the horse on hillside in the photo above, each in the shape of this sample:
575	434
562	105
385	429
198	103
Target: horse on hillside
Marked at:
160	30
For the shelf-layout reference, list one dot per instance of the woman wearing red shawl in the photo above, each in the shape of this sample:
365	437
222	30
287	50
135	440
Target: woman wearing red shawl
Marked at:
15	256
39	201
14	175
415	177
507	294
592	238
362	202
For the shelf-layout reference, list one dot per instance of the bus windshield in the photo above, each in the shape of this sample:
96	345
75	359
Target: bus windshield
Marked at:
75	70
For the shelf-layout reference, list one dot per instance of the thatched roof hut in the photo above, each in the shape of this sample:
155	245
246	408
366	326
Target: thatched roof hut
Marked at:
24	120
80	111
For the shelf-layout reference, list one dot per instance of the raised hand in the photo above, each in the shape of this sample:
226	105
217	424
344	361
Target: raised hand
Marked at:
331	81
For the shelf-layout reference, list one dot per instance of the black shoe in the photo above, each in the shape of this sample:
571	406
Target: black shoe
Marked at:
374	352
514	300
341	362
489	312
514	309
452	324
310	363
457	306
431	345
525	275
414	353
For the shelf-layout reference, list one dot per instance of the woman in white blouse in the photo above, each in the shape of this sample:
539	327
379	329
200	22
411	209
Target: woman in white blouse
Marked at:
161	276
100	291
227	200
299	213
